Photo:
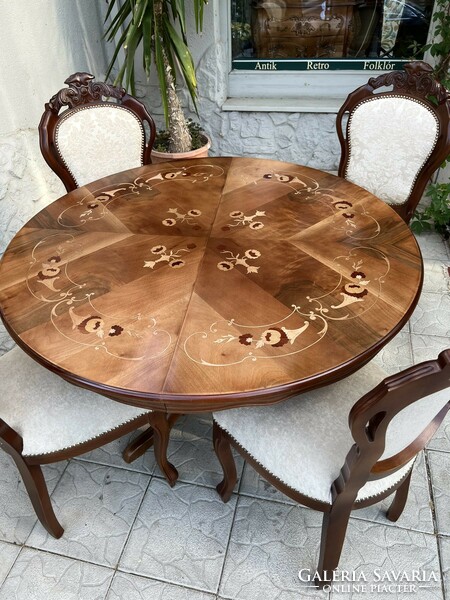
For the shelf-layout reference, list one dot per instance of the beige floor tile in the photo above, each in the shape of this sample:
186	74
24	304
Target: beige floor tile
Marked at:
432	246
440	480
97	506
444	544
8	554
17	517
180	535
41	576
131	587
431	316
269	543
417	513
191	451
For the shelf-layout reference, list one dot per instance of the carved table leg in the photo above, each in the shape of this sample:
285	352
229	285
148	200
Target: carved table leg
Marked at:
161	424
138	446
144	441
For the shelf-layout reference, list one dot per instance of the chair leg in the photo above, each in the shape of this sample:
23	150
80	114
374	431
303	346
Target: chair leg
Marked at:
334	527
398	504
222	449
36	486
162	424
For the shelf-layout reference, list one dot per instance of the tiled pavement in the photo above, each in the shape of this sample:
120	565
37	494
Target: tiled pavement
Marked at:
129	536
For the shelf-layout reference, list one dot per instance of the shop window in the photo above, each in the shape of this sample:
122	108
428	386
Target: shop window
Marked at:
350	36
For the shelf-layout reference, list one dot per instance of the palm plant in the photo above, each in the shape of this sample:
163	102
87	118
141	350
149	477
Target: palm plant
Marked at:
158	27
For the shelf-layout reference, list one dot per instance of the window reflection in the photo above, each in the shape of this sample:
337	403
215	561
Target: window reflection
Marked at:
312	29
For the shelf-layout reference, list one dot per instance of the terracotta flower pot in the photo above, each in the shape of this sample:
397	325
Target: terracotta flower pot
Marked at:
158	157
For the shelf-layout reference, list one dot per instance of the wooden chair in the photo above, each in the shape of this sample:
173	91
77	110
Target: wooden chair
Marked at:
334	455
103	131
44	419
396	137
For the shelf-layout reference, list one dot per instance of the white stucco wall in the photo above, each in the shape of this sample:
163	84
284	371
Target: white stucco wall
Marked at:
41	44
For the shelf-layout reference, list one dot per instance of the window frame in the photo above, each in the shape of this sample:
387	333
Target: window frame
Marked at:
291	91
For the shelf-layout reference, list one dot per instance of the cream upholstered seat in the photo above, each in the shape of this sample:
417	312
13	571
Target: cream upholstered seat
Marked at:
340	447
44	419
50	414
395	138
306	457
103	131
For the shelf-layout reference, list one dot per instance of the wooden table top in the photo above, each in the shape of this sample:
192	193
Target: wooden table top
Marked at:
211	283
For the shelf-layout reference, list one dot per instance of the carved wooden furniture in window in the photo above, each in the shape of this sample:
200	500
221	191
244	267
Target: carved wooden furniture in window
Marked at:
396	138
103	131
334	455
303	28
44	419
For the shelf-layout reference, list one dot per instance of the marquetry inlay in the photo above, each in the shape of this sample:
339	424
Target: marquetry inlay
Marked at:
210	283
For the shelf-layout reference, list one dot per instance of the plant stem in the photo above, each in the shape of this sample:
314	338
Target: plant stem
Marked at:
180	138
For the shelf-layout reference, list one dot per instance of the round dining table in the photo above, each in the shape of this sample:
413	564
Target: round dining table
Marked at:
209	284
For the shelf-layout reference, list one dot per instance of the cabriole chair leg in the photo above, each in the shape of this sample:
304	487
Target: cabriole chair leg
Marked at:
399	501
222	448
36	486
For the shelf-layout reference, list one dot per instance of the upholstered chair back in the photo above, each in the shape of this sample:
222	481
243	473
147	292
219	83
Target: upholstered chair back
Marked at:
102	131
95	141
395	421
401	128
396	139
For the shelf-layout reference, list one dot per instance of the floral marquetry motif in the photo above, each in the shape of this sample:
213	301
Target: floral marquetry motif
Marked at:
215	282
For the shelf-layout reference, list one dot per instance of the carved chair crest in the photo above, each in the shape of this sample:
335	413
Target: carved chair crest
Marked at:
83	90
417	79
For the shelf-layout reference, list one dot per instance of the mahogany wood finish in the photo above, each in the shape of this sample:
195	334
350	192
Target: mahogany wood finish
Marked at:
83	90
368	422
31	472
209	284
416	82
145	440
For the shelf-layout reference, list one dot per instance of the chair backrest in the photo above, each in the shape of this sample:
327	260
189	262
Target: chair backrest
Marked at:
395	421
103	131
395	139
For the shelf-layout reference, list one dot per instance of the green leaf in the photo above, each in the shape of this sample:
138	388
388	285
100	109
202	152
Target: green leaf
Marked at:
181	15
147	32
199	6
118	21
110	7
135	23
120	43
